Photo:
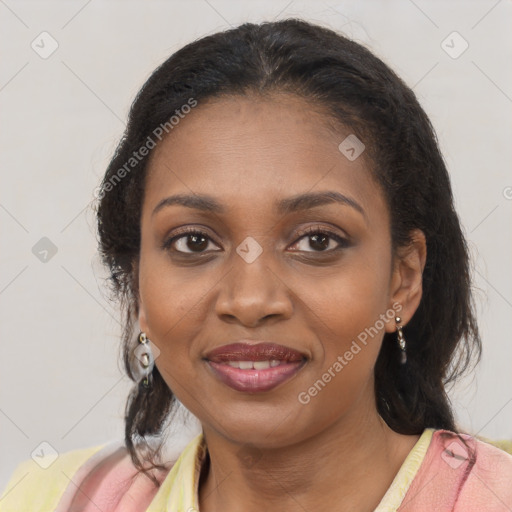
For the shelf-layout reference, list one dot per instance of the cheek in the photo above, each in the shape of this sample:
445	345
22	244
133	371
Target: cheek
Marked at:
172	295
347	315
349	300
174	314
349	342
348	309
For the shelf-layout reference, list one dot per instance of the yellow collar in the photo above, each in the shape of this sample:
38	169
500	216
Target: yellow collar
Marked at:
179	490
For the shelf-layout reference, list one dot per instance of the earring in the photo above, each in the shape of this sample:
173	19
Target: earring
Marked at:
401	340
145	356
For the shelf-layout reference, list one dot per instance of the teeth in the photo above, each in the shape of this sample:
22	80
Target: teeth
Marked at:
261	365
254	365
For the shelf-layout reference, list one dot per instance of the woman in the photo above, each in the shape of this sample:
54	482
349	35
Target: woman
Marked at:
278	220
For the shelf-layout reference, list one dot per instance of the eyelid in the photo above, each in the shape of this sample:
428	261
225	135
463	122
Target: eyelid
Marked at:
182	233
343	241
323	229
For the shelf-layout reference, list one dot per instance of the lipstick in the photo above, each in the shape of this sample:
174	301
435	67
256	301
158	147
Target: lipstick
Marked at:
254	367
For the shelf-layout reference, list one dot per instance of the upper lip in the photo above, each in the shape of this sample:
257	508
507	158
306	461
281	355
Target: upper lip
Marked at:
259	351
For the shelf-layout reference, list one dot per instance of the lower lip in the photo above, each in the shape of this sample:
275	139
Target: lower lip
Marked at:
255	380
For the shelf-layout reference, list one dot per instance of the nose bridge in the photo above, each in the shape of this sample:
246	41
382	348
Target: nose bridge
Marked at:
252	267
252	289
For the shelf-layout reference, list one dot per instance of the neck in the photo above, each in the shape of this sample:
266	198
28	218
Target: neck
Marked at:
348	466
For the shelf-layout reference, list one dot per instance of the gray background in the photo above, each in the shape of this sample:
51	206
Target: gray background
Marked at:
60	380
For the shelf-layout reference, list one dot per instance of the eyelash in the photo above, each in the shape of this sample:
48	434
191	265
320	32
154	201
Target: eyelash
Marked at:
313	230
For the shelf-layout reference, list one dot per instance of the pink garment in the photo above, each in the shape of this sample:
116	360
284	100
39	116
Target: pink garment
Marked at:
447	481
112	485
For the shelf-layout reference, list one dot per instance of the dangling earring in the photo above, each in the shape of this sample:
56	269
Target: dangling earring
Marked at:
401	340
145	355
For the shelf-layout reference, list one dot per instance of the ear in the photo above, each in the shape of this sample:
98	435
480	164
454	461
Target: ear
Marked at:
406	286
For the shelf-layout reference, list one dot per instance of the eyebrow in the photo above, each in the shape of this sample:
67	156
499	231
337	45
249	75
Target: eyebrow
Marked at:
285	206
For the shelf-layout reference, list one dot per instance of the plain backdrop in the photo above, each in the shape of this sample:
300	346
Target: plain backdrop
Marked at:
62	115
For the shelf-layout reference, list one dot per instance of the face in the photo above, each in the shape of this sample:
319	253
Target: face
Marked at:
313	276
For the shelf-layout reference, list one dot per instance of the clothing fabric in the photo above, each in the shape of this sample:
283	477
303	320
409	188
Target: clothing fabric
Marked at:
439	474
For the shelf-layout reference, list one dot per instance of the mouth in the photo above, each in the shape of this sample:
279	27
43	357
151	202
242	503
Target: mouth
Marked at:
254	367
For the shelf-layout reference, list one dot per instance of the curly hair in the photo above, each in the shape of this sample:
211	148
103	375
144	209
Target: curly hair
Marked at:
362	93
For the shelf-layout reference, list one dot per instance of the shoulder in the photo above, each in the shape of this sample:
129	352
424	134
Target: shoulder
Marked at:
113	484
461	473
480	452
485	471
38	483
490	480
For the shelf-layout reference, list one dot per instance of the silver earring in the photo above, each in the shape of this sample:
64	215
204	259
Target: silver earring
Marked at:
147	362
401	340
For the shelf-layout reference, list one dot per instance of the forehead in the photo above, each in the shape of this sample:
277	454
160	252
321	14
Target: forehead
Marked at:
248	150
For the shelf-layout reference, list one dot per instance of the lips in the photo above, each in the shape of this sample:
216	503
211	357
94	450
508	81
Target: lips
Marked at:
262	351
254	367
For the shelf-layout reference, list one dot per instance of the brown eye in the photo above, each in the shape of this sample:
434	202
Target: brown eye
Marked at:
188	242
321	240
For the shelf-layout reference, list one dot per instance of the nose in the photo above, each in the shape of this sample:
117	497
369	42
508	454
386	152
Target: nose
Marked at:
252	293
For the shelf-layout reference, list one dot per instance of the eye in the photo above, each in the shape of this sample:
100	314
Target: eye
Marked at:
320	240
188	241
195	241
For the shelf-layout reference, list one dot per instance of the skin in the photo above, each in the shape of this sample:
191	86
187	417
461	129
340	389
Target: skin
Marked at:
269	451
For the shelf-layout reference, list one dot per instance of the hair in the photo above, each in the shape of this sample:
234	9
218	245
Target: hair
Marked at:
359	92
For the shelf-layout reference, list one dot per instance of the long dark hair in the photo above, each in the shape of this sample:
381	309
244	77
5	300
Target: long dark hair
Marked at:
362	93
